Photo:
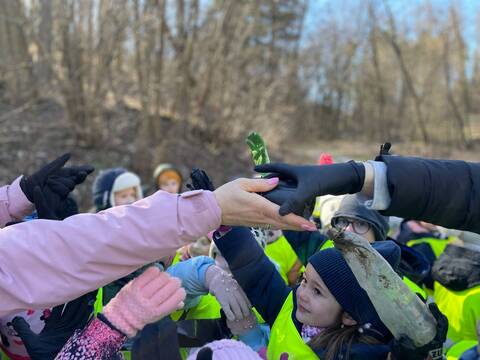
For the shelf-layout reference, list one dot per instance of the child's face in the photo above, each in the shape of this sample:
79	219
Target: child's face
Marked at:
316	306
170	185
125	196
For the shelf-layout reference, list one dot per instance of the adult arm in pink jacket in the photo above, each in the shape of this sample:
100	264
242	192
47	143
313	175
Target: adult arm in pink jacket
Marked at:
45	263
14	205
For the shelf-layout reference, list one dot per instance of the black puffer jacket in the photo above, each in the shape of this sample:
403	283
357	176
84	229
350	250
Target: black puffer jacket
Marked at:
442	192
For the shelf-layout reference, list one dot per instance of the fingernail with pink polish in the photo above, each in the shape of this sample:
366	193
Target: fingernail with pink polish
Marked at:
273	180
309	227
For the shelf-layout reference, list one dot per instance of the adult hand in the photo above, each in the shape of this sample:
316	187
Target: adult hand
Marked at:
59	180
229	294
59	326
303	183
242	205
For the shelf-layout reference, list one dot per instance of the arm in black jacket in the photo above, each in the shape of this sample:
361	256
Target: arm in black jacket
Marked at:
442	192
305	243
255	273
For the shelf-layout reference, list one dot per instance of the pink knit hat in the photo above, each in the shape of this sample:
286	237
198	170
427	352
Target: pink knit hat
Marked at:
228	350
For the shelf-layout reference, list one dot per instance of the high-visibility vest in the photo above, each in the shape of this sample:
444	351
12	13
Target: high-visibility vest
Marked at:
282	254
284	336
415	288
437	245
457	350
462	308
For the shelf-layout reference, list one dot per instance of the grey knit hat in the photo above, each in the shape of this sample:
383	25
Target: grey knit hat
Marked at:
351	207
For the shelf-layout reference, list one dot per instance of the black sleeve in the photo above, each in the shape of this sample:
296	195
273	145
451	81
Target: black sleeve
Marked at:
442	192
255	273
305	243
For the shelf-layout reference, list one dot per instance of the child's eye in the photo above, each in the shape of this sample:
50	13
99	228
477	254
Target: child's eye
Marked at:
304	280
317	292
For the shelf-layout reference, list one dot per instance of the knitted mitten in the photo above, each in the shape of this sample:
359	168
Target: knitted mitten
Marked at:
144	300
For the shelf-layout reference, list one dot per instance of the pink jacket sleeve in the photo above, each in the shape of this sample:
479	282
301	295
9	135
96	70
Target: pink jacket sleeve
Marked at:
14	205
45	263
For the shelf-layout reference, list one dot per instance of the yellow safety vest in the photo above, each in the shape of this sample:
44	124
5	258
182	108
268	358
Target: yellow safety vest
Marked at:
462	308
176	258
415	288
327	245
127	355
207	308
438	245
282	254
457	350
284	336
98	306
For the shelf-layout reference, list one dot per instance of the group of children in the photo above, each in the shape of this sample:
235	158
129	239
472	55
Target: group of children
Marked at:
252	293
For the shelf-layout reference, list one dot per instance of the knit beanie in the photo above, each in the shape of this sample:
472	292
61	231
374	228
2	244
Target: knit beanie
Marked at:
225	350
341	282
111	180
351	207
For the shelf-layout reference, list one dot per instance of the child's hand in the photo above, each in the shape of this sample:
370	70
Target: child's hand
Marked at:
241	326
144	300
229	294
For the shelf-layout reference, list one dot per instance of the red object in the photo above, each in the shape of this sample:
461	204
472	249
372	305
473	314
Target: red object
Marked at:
325	159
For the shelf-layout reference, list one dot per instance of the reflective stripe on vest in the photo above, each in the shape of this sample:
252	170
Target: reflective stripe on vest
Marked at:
457	350
284	336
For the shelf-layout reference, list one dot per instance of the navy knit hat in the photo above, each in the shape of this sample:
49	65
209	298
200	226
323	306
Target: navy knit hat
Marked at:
339	278
350	207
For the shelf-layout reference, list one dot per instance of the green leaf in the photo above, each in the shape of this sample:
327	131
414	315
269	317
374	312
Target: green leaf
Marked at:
258	148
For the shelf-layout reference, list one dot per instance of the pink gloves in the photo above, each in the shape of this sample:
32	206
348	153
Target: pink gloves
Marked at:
144	300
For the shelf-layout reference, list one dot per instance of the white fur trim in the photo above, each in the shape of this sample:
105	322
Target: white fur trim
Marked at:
124	181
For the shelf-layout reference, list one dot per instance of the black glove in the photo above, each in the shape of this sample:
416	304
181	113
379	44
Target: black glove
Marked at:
300	184
404	349
51	206
60	180
46	208
157	338
200	181
59	327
